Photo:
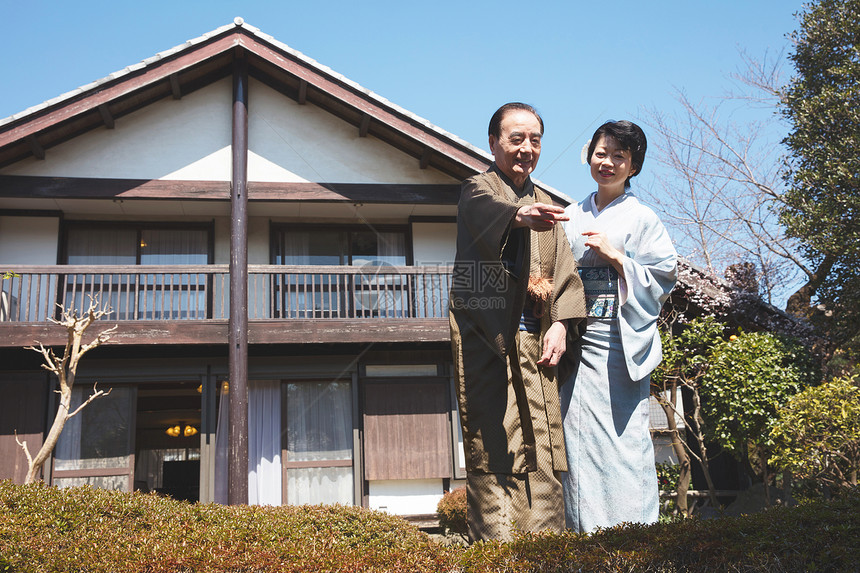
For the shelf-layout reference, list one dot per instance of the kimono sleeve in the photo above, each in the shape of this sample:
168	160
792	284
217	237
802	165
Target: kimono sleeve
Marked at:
650	273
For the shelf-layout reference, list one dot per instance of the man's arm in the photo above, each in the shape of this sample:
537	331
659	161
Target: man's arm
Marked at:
538	217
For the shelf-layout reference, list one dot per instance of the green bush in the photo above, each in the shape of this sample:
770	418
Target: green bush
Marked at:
452	512
749	377
46	530
667	476
817	436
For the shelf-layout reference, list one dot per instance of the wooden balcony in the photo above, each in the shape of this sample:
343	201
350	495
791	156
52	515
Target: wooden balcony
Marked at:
183	304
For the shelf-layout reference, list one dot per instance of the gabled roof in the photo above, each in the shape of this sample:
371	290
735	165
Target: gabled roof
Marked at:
203	60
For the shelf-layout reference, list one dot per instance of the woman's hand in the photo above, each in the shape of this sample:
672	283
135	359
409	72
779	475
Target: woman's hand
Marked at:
598	242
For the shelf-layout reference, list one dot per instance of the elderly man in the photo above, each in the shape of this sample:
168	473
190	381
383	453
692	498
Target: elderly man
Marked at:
514	297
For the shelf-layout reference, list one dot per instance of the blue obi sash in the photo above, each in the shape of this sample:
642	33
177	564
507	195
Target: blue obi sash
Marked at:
601	291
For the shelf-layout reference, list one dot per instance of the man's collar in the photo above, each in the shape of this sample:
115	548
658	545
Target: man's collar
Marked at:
527	185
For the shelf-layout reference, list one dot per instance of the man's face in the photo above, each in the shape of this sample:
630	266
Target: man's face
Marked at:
517	149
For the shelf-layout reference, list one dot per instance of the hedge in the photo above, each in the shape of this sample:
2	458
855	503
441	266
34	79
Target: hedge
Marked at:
45	529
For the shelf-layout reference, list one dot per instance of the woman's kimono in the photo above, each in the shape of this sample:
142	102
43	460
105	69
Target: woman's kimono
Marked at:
611	477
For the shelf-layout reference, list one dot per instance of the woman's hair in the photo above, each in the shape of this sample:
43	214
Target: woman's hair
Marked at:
629	136
495	127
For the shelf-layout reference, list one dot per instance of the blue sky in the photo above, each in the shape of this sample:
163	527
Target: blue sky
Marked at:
452	63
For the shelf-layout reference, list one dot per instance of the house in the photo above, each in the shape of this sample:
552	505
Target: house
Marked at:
272	239
266	232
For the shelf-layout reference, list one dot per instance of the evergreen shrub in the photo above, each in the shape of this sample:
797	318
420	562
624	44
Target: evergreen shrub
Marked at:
46	530
452	512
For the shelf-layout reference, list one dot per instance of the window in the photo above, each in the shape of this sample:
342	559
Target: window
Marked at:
318	446
97	445
371	292
132	295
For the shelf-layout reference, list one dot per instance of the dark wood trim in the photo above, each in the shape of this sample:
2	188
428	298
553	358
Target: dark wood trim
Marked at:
37	187
139	332
364	126
27	186
237	490
424	162
208	332
36	147
107	118
300	331
125	85
396	193
175	88
302	99
432	219
30	213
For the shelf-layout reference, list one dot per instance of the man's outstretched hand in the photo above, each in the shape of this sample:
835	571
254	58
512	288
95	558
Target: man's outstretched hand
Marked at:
539	216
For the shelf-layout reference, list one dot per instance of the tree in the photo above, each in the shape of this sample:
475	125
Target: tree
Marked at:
821	203
685	363
722	192
817	435
66	368
733	199
749	376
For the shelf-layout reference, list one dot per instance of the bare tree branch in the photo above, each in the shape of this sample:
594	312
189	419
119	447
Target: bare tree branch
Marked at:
722	187
65	369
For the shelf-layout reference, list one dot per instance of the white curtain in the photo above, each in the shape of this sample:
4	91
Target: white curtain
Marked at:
264	442
68	451
319	428
222	445
392	248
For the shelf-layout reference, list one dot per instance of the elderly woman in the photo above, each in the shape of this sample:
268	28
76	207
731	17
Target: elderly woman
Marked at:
628	266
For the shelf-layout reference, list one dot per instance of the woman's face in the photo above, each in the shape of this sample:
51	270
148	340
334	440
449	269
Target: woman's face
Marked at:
611	165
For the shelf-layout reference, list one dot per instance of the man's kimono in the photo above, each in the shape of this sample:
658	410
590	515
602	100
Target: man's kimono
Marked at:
509	406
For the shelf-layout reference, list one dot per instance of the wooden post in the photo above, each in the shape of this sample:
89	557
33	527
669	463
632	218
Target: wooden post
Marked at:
238	335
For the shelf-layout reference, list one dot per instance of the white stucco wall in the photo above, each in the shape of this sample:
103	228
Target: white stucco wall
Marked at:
186	139
434	243
405	497
292	142
28	240
190	139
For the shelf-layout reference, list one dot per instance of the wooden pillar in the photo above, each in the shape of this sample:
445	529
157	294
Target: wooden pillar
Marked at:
238	336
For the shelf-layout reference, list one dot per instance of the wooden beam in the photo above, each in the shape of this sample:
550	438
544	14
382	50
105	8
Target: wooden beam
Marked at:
35	147
365	125
87	188
433	194
237	489
424	162
151	333
175	88
107	118
303	92
332	331
134	333
27	186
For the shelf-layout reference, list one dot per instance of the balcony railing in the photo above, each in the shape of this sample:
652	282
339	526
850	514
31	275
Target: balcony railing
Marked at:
202	292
